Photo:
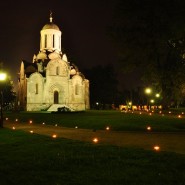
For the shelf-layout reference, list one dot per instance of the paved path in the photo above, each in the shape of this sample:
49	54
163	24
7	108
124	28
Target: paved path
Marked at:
173	142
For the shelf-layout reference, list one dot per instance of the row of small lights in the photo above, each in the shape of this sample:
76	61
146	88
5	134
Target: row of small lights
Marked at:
95	140
160	112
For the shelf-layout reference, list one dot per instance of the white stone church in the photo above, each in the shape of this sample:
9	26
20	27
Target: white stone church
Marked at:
51	81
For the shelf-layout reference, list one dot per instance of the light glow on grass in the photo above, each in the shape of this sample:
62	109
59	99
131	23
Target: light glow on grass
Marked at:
30	122
54	136
13	128
107	128
95	140
31	131
16	120
149	128
156	148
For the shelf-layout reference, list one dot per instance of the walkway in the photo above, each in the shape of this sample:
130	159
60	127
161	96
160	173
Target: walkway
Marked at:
172	142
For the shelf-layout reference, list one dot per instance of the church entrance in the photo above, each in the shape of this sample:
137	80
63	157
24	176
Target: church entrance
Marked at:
55	97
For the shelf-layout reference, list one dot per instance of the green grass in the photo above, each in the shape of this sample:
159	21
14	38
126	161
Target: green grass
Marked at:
31	159
100	119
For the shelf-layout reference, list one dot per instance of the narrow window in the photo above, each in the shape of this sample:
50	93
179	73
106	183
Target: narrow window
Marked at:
76	89
36	89
45	41
53	41
57	70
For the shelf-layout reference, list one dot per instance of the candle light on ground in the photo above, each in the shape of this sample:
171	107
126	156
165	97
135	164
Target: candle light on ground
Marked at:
156	148
149	128
54	136
107	128
95	140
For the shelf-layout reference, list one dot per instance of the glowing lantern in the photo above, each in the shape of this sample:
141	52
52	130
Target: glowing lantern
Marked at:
156	148
149	128
43	123
30	121
107	128
76	127
6	119
16	120
13	128
95	140
179	116
54	136
31	131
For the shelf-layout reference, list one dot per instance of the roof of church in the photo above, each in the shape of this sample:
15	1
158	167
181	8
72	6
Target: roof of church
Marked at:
50	25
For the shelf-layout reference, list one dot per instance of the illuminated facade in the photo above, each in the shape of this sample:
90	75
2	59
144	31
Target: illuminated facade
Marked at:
51	81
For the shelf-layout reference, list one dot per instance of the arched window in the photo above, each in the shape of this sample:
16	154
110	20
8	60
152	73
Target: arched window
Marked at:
55	97
77	89
57	70
36	88
53	41
45	41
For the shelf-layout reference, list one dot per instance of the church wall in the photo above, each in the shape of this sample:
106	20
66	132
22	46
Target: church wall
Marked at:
35	86
76	93
53	84
87	95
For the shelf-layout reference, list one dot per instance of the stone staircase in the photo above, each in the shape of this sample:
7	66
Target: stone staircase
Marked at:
54	107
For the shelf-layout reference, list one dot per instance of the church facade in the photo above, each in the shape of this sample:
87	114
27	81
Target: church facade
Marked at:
51	82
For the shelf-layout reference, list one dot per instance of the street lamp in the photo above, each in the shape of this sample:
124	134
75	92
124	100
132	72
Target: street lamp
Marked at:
148	91
2	79
157	95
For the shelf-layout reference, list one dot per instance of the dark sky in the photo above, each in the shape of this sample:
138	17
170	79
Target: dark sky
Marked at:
83	24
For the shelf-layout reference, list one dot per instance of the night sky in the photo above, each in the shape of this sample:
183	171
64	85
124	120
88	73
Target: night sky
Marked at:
84	25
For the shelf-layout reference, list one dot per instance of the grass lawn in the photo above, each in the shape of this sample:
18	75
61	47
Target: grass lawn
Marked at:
100	119
35	159
31	159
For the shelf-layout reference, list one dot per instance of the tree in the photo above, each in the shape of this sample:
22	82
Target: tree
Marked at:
143	31
103	85
9	95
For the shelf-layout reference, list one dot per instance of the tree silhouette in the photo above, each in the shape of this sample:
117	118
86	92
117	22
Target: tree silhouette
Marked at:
143	31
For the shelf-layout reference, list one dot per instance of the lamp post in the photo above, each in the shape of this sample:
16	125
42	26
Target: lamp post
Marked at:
2	79
148	91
